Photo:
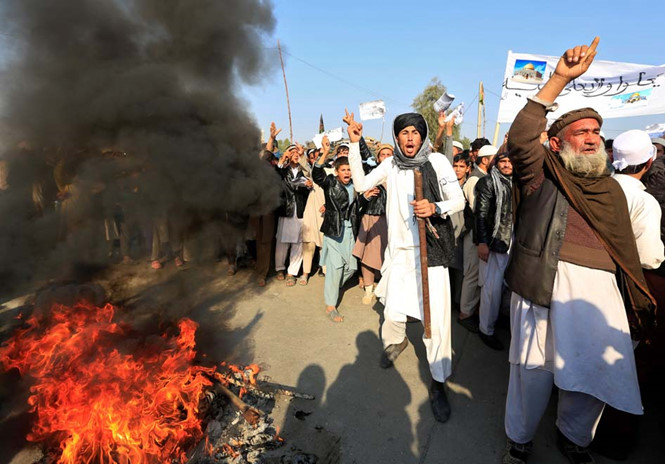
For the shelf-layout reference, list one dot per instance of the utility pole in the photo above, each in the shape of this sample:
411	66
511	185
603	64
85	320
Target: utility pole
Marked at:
288	104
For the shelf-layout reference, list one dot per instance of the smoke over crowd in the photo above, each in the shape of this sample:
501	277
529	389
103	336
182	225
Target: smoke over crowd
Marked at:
125	102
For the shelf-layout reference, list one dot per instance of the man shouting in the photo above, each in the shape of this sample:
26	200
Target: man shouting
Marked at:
400	288
573	249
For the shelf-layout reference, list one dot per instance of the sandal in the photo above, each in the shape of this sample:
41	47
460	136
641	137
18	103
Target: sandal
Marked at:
303	279
361	282
334	315
280	275
261	282
290	280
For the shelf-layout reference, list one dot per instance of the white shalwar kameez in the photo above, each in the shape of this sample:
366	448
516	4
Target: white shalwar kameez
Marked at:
490	280
400	286
582	345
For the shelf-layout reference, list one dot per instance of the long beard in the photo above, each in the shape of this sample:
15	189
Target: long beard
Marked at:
593	165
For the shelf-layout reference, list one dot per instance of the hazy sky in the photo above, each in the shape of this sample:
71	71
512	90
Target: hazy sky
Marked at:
339	54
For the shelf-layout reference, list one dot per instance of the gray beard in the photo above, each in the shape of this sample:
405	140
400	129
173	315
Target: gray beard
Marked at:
594	165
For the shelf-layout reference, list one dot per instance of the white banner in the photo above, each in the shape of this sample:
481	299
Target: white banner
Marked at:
614	89
372	110
655	130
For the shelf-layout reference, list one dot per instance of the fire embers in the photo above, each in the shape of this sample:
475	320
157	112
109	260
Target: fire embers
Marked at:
98	398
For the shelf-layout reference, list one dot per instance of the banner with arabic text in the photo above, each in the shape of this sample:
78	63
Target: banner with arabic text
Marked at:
614	89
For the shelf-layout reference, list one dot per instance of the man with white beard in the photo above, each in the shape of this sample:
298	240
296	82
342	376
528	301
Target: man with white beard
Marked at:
573	248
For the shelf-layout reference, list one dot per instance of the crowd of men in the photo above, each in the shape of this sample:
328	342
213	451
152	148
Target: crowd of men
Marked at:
564	224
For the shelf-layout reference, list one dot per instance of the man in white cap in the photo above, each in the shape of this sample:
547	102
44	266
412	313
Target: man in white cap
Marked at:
633	156
470	297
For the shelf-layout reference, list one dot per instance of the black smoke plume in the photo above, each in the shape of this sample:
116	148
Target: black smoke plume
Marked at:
125	107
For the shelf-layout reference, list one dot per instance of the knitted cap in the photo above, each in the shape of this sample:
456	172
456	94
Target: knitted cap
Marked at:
572	116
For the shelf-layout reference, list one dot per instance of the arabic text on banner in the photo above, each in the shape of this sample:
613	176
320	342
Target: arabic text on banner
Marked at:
612	88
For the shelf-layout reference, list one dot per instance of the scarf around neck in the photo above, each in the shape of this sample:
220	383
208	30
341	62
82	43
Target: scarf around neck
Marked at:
602	203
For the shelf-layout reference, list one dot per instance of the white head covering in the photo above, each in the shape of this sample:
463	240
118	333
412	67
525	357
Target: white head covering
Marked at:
632	148
457	144
487	150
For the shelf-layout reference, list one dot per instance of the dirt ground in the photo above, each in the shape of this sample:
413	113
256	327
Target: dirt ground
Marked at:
361	413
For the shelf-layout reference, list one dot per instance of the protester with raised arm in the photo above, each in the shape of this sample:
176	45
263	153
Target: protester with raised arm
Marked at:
373	234
573	244
400	286
295	191
340	222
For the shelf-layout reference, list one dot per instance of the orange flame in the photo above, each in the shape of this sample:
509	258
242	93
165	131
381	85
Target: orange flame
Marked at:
103	405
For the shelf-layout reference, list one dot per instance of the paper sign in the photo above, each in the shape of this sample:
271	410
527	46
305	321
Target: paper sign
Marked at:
443	103
372	110
334	135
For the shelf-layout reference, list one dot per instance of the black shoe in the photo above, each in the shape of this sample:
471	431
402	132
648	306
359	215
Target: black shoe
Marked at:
574	453
469	323
391	353
492	341
439	401
321	273
516	453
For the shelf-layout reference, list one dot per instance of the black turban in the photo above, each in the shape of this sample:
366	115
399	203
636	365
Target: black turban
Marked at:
411	119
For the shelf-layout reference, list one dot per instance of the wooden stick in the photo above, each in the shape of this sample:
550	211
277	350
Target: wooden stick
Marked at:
422	235
288	104
251	415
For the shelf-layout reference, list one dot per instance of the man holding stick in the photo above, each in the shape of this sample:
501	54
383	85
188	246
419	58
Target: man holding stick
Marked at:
578	290
400	288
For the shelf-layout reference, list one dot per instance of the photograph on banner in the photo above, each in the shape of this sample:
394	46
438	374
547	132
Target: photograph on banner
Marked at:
372	110
612	88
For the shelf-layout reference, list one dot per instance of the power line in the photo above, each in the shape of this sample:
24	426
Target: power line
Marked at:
341	79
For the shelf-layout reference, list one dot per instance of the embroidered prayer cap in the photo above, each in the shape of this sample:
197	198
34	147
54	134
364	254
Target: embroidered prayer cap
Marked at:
457	144
293	145
632	148
385	146
572	116
487	150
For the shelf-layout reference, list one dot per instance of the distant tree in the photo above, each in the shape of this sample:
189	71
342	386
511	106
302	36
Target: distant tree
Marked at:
466	142
423	104
282	144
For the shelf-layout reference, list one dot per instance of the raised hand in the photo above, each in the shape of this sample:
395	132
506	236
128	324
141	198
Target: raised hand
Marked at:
325	145
441	119
274	131
576	61
355	129
299	148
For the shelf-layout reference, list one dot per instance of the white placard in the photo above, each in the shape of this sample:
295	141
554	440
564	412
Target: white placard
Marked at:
443	103
457	113
372	110
334	135
614	89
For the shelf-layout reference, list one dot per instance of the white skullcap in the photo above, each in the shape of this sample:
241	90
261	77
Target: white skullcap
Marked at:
632	148
487	150
457	144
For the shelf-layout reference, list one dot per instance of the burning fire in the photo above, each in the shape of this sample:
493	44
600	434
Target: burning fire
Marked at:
104	404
